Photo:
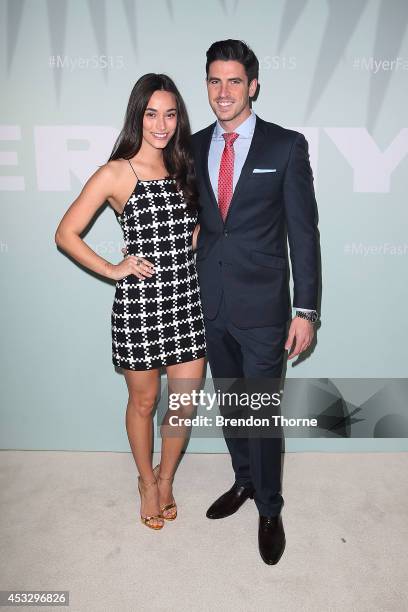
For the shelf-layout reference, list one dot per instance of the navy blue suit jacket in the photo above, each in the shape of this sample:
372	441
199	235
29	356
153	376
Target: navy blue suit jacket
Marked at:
246	257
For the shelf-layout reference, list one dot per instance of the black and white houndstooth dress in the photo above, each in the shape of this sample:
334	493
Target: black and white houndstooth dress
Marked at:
158	321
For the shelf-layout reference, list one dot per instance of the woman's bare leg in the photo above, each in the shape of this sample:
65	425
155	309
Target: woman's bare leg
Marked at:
143	388
182	377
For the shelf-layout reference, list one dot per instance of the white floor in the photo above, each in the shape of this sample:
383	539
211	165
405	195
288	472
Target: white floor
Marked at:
69	521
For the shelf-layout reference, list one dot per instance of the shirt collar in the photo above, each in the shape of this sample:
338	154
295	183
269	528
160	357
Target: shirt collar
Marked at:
245	129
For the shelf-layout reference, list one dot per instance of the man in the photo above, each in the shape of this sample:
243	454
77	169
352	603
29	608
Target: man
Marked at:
256	192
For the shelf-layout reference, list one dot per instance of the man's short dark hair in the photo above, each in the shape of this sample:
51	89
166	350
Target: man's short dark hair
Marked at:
235	50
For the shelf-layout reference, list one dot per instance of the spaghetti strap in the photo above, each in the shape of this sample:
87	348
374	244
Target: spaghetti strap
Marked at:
133	168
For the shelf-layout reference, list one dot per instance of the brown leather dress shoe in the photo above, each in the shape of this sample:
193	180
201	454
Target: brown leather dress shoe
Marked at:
230	502
271	538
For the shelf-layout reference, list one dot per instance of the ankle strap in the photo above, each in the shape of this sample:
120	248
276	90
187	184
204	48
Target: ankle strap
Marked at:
147	484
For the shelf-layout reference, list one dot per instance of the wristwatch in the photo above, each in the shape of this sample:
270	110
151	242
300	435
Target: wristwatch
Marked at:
311	316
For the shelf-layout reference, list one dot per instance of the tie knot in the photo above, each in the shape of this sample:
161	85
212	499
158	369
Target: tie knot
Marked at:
229	138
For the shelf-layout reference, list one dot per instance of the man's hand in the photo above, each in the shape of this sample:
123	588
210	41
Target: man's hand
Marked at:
301	331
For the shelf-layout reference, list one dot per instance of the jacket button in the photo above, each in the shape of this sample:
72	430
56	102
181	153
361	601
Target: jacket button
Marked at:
225	232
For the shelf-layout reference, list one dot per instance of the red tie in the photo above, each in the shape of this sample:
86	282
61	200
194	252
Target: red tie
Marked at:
226	174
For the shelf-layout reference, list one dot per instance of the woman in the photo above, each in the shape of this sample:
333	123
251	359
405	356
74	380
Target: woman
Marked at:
156	316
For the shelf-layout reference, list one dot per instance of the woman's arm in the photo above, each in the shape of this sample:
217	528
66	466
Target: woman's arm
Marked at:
195	236
67	236
98	188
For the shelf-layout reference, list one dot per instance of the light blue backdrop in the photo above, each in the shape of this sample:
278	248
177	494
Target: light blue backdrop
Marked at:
335	70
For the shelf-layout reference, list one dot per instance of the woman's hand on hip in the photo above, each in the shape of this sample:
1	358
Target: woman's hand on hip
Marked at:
133	264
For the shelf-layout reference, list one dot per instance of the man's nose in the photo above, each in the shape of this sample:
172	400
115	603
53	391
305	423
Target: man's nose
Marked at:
224	90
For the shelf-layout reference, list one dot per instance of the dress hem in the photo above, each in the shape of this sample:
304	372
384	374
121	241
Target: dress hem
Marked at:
156	365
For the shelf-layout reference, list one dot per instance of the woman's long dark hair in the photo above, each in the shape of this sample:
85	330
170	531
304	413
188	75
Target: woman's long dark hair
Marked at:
177	154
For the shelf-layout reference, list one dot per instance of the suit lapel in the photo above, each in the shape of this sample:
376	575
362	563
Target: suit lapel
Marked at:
204	153
255	150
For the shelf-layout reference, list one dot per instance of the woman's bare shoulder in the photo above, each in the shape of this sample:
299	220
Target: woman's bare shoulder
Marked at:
112	172
114	167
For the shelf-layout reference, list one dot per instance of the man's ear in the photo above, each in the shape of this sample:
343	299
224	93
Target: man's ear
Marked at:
253	86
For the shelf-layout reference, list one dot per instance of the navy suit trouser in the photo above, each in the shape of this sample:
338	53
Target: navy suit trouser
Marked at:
253	357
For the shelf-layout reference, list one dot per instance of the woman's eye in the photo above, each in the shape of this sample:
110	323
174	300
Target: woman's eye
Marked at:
150	114
172	115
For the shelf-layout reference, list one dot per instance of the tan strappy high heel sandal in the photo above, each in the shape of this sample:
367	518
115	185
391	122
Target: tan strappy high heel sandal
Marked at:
170	506
146	520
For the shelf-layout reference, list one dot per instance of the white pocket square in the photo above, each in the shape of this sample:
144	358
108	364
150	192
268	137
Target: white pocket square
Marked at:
262	170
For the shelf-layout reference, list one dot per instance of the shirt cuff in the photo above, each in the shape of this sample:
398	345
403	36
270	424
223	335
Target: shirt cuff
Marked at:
303	309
